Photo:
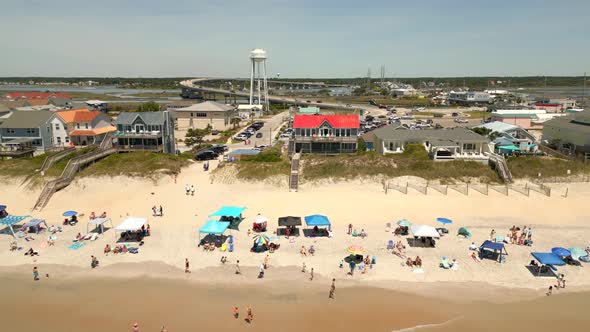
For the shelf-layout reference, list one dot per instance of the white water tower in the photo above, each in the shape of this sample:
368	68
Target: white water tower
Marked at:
258	96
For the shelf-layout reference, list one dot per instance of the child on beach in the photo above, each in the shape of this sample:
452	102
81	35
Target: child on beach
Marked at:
192	190
186	266
332	289
311	275
550	291
303	268
238	267
35	274
236	312
250	316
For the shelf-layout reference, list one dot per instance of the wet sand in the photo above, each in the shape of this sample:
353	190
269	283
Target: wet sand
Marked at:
73	299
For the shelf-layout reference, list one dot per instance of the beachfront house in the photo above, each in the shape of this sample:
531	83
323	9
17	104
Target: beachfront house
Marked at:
508	138
569	134
209	113
84	127
324	134
145	131
441	144
36	127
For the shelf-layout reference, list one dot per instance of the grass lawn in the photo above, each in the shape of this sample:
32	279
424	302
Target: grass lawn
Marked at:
21	166
530	167
142	164
414	162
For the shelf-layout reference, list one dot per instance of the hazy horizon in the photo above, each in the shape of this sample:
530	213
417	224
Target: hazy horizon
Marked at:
306	39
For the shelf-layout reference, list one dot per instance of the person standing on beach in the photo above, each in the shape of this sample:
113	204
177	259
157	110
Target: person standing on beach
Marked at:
250	316
550	291
187	189
238	267
311	275
192	190
236	312
266	261
154	210
332	289
135	328
161	211
35	274
186	266
303	268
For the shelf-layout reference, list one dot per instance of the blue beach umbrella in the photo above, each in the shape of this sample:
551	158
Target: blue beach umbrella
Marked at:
444	221
70	213
561	252
404	223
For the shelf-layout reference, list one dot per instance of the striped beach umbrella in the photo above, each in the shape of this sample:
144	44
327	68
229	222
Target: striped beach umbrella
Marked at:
261	239
356	250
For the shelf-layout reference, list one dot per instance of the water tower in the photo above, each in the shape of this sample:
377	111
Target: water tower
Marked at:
258	74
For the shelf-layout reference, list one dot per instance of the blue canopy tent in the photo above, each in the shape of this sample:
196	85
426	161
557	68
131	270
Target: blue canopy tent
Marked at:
549	259
231	214
315	221
444	221
11	221
214	227
561	252
490	249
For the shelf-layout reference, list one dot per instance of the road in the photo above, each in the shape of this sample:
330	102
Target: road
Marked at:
369	109
270	129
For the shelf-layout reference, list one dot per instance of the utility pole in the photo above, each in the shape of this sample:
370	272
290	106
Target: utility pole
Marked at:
369	80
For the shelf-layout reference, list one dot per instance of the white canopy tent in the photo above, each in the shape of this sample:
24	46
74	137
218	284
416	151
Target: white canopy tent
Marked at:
424	231
131	224
98	222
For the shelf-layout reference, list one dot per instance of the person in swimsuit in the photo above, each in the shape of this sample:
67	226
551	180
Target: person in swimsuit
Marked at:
186	266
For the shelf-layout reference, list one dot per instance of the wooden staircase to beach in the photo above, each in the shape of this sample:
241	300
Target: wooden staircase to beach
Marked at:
74	165
54	158
500	165
294	174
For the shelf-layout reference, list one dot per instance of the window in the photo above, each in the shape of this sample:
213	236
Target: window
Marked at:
77	125
469	146
201	115
67	139
86	125
59	140
37	142
57	126
10	131
30	130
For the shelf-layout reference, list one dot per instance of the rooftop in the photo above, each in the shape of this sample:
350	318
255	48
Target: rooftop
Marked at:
33	95
440	136
207	106
150	118
336	121
498	126
27	119
79	115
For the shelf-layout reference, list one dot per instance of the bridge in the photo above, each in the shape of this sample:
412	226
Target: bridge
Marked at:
193	85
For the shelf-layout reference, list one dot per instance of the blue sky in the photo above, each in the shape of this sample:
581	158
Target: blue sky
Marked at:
303	38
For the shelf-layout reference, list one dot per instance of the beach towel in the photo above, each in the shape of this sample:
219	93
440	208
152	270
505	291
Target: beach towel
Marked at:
421	271
77	245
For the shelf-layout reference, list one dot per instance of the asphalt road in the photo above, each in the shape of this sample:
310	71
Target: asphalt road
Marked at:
271	126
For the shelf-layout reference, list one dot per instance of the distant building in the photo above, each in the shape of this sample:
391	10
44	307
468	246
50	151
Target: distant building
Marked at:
35	127
404	92
529	119
249	111
151	131
469	97
441	144
97	105
209	113
325	134
571	133
84	127
510	138
36	95
310	110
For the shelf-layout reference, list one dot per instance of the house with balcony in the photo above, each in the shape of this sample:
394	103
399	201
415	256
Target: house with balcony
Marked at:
30	129
206	114
324	134
145	131
509	139
83	127
441	144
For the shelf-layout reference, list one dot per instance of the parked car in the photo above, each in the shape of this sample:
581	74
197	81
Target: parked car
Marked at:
219	149
259	135
460	120
214	132
260	147
206	155
285	135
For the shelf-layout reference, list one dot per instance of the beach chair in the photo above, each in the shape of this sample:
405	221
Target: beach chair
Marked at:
444	263
223	247
390	245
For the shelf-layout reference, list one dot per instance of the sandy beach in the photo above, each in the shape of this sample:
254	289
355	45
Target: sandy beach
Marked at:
386	288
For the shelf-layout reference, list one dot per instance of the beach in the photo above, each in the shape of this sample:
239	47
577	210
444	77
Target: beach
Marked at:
151	278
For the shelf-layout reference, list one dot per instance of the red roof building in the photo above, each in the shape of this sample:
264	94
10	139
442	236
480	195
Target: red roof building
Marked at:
324	134
334	121
37	95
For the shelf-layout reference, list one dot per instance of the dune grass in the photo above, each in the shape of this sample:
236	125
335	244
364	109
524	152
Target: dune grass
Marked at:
266	164
531	167
20	167
139	164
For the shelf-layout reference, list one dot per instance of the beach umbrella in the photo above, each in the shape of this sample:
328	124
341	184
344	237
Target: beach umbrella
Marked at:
70	213
444	221
404	223
561	252
464	231
261	239
577	252
356	250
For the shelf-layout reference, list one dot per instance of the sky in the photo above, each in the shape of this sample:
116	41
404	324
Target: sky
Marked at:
303	38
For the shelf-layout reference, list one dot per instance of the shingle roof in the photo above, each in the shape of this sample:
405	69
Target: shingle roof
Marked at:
150	118
336	121
79	115
33	119
452	134
206	106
